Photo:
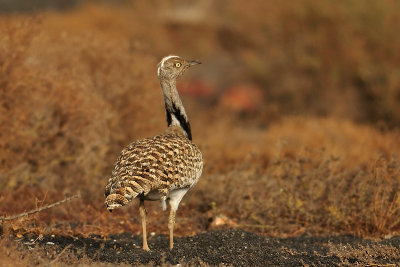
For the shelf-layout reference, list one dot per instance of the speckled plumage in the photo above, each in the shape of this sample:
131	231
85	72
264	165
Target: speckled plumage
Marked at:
163	167
160	164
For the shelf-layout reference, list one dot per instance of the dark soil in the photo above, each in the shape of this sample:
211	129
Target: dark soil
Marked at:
228	247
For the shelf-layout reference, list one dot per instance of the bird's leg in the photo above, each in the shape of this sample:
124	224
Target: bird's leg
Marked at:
171	223
142	211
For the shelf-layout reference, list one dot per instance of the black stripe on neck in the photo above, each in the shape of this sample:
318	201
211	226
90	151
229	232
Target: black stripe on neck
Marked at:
182	121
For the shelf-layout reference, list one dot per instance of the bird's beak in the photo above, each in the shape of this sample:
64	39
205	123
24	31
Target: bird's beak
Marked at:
193	62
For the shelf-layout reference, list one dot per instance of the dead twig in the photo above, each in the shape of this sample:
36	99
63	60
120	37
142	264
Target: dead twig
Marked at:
9	218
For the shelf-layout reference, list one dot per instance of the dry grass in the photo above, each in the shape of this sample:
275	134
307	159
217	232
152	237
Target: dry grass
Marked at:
289	183
75	88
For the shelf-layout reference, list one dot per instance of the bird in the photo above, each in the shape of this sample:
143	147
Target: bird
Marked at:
160	168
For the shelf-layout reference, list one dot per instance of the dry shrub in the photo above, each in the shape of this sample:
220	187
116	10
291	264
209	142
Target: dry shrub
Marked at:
69	103
305	187
53	127
58	107
318	192
59	104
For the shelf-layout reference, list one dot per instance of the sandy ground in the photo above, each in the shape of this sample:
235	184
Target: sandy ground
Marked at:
226	247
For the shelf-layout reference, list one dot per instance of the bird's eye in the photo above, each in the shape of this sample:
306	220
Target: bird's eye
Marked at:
178	65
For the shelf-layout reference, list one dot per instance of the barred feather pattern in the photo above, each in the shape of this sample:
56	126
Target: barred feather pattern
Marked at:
158	165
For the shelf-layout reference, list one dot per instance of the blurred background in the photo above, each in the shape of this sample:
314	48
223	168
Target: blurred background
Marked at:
296	108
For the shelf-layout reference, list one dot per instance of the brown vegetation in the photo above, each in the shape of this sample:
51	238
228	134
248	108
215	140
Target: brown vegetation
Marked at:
318	153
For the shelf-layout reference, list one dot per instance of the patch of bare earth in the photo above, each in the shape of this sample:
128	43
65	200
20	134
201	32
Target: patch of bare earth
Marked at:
226	247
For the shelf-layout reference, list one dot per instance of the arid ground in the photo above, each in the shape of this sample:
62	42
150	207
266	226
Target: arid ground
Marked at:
212	248
295	107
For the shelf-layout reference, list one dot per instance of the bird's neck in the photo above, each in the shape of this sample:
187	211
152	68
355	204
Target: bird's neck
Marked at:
176	114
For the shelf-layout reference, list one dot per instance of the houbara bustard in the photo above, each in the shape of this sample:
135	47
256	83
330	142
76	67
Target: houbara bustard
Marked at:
163	167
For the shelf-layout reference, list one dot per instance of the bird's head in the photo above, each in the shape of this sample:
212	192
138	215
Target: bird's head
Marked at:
171	67
115	201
